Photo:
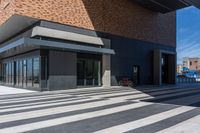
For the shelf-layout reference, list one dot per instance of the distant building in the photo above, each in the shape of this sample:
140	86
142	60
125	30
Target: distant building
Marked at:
192	63
179	68
186	62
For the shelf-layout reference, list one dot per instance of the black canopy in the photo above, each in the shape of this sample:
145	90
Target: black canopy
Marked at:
165	6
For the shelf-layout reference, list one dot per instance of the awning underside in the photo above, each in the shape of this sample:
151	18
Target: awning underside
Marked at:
36	43
165	6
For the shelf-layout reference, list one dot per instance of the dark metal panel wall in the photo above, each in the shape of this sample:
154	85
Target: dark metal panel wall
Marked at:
62	63
131	52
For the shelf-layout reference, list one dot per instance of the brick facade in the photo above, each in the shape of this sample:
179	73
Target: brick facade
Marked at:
7	9
118	17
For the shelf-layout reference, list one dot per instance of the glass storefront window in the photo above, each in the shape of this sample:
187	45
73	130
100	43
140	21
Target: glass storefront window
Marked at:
36	72
9	73
7	76
97	73
21	73
1	73
4	73
29	73
24	69
12	74
17	73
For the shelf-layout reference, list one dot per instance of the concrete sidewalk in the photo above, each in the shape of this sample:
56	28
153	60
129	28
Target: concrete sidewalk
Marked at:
10	90
103	110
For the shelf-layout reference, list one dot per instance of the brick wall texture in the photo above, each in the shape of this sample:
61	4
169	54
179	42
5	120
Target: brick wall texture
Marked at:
118	17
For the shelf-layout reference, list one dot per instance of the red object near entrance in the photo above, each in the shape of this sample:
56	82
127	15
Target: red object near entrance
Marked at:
126	82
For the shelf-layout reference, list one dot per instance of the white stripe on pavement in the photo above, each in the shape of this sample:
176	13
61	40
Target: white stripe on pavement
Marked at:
46	104
55	110
25	98
119	94
189	126
34	99
43	102
63	101
73	118
145	121
101	93
130	97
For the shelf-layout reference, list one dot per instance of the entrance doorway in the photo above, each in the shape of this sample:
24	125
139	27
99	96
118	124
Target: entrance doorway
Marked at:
136	75
165	69
88	71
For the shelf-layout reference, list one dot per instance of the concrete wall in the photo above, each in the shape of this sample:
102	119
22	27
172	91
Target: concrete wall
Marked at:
118	17
62	70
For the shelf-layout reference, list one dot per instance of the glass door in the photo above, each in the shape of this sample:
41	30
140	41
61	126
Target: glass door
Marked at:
136	75
81	73
164	63
88	72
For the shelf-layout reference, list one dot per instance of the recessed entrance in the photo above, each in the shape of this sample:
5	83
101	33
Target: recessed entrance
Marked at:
88	70
164	63
164	67
136	75
168	61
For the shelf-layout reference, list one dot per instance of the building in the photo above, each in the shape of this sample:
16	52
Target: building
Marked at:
186	62
60	44
191	63
179	68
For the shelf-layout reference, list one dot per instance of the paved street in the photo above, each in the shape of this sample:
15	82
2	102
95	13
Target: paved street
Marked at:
167	109
10	90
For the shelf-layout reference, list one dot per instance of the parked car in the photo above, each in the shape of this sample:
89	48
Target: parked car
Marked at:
191	74
181	76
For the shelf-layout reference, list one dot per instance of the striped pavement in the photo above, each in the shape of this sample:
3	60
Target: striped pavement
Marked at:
147	109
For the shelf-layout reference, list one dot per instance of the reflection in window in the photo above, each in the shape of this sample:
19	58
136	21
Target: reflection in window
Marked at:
17	73
29	73
4	72
36	71
10	73
21	73
1	73
7	79
88	72
24	67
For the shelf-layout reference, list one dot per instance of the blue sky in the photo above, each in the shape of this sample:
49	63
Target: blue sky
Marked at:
188	33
